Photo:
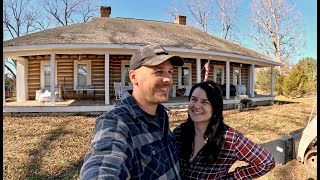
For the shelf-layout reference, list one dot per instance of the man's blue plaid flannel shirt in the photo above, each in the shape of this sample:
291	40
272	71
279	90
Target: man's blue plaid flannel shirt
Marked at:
131	144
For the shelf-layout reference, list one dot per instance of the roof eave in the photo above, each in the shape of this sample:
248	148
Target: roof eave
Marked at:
14	51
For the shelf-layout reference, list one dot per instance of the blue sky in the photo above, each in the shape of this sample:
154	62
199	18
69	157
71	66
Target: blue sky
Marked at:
155	10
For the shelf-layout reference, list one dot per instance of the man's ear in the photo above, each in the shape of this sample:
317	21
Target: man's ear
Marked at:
133	77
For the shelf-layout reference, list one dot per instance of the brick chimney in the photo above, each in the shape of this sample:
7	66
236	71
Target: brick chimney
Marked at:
105	11
180	20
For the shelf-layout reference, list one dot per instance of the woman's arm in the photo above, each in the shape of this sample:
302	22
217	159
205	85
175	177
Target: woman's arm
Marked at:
259	159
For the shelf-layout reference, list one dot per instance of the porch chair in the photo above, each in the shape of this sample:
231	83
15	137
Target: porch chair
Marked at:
241	89
83	89
44	95
117	90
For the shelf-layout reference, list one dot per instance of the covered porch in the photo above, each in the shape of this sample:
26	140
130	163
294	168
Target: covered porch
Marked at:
100	69
101	75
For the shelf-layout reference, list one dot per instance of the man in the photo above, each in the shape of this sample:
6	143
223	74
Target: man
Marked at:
133	140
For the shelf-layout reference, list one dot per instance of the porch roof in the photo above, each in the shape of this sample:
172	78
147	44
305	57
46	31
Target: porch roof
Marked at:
131	33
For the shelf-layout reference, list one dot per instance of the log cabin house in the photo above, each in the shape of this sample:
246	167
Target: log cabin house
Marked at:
72	60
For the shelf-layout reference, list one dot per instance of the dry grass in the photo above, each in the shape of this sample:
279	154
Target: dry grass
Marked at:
45	147
54	147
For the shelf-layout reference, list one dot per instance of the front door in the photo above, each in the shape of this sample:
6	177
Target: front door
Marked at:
185	78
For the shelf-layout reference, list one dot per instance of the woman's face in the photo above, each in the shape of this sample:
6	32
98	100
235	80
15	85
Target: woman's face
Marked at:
199	107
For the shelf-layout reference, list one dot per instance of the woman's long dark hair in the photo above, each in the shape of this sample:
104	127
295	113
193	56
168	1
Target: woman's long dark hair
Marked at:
214	132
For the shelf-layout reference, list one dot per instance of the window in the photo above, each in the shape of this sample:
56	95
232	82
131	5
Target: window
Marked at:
125	68
45	74
218	75
236	76
82	73
185	77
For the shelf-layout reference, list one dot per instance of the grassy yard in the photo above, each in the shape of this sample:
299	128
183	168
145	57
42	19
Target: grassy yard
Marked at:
54	147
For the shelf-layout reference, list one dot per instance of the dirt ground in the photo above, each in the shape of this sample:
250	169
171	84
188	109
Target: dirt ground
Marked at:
54	147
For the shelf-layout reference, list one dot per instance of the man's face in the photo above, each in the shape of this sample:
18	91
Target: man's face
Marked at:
152	83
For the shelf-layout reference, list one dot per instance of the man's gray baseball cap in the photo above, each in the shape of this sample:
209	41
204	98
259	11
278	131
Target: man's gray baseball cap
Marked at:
152	55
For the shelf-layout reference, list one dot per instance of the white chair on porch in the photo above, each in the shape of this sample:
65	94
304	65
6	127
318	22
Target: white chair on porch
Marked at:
44	95
117	90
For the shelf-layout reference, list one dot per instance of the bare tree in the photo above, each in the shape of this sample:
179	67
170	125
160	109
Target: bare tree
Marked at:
88	10
228	10
20	17
18	20
43	20
277	28
210	15
65	12
200	11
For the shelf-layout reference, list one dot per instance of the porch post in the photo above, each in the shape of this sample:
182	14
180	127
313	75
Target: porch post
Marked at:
106	79
52	78
240	75
272	82
248	89
4	79
252	80
21	81
228	80
198	65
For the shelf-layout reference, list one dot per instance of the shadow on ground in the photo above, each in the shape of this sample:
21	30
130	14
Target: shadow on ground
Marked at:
38	153
284	102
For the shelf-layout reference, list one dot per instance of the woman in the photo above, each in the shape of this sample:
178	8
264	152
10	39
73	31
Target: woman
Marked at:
208	147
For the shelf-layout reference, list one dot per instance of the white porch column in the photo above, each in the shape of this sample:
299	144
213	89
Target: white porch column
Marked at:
248	88
4	81
228	80
21	81
252	80
198	65
272	82
106	78
52	78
